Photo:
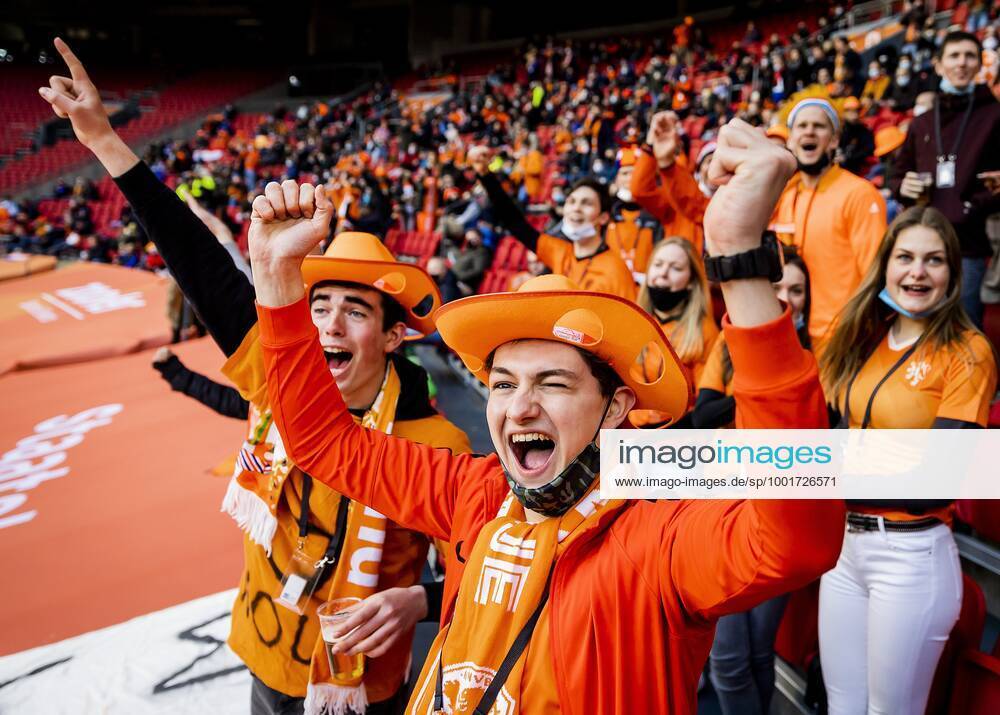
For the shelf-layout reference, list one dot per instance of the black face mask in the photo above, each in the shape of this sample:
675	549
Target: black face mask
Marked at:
566	488
817	168
665	300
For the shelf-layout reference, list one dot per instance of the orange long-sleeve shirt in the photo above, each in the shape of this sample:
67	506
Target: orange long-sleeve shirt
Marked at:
837	228
666	569
672	196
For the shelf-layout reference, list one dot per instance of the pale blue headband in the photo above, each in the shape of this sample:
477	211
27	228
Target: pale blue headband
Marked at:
822	104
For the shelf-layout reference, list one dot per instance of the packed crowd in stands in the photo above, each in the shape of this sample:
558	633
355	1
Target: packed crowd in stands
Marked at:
593	160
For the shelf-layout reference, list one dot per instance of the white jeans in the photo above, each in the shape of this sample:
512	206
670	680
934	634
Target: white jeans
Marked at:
885	612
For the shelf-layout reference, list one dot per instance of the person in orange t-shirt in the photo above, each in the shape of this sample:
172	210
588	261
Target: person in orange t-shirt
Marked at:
835	219
566	579
579	252
664	187
904	354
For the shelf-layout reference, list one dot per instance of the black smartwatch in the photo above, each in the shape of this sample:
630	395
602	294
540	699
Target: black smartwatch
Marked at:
765	261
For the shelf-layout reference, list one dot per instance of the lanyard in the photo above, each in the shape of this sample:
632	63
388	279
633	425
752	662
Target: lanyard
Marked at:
333	548
846	422
961	130
503	672
805	219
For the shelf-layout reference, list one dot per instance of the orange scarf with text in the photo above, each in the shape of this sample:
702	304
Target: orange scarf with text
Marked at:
252	500
503	582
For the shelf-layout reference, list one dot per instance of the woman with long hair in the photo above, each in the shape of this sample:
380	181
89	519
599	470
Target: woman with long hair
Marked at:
715	405
675	292
904	354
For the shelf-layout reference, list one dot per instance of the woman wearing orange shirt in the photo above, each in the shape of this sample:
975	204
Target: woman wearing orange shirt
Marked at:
676	294
904	354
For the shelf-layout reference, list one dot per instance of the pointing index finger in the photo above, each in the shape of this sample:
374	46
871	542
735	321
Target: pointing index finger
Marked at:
76	70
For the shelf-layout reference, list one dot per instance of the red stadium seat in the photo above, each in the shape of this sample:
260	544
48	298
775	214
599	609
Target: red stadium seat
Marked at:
977	685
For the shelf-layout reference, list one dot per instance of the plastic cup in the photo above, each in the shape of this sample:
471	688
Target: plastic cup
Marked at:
346	669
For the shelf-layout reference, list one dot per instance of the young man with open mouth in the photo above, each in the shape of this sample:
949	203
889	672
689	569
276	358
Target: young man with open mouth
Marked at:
304	543
558	601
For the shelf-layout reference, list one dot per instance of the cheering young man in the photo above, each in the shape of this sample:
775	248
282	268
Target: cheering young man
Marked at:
304	543
556	600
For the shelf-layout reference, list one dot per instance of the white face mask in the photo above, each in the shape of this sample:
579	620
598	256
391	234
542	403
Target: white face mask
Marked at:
578	233
625	195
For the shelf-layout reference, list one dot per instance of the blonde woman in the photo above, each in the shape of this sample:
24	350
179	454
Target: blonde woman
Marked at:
676	294
904	354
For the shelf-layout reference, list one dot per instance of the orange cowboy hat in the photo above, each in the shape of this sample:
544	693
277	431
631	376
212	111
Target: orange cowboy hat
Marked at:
355	257
551	307
888	139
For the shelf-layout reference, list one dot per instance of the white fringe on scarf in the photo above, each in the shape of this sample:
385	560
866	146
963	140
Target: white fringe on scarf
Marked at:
329	699
251	513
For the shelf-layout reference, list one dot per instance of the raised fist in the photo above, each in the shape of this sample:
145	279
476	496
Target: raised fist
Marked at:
751	172
76	98
288	221
664	138
479	159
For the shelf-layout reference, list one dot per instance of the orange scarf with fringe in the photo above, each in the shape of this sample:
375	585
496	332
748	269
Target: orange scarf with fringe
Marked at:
503	582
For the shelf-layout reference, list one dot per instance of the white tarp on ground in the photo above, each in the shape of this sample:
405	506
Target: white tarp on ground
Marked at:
170	661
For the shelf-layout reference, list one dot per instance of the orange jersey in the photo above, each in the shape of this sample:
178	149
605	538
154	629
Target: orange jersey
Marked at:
837	228
956	383
604	271
633	233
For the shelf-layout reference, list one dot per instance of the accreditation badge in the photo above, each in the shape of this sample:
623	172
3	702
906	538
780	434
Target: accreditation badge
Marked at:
945	178
300	581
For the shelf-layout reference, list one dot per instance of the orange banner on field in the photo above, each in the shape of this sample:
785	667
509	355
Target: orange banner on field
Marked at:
108	508
84	312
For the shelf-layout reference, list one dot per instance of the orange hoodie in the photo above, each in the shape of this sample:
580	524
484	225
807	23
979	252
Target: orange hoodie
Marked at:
666	570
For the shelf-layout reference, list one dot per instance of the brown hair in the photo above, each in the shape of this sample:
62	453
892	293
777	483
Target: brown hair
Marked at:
864	321
690	341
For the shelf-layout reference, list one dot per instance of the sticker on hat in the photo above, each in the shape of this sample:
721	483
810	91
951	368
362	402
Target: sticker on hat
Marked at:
579	326
391	283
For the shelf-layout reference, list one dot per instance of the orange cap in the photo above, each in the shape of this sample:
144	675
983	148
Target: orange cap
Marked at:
852	103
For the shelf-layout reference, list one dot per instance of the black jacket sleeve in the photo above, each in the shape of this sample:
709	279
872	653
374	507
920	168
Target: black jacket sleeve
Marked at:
219	293
221	398
713	409
506	212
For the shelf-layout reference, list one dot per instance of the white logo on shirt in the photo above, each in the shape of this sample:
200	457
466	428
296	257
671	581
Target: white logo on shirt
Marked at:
916	372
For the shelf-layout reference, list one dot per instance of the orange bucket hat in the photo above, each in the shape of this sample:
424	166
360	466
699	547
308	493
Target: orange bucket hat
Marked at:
552	308
356	257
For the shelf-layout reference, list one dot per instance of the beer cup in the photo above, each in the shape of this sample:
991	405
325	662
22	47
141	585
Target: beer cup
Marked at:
345	668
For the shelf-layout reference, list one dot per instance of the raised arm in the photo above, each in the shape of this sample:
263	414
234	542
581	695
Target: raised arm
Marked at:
505	211
221	295
762	548
414	485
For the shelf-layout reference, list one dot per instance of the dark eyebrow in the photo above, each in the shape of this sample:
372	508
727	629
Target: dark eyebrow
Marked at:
568	374
358	301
